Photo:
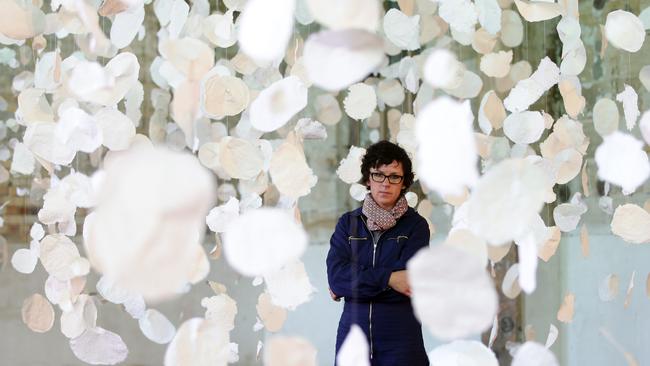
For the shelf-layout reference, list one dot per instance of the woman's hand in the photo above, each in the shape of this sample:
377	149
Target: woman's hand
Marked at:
399	282
334	297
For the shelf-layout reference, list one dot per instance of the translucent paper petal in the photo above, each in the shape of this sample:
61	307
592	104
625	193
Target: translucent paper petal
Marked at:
61	259
116	128
496	64
82	316
224	95
276	240
155	326
78	129
446	145
605	116
21	20
460	14
489	15
40	139
24	260
453	296
98	346
240	158
23	161
220	310
335	60
349	169
271	315
536	11
402	30
624	30
512	29
630	222
37	313
198	342
491	113
622	161
289	171
524	127
125	27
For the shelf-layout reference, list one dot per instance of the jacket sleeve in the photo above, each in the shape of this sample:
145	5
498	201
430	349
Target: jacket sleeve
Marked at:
346	277
419	239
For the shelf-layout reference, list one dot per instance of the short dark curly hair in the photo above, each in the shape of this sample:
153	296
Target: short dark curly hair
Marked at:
383	153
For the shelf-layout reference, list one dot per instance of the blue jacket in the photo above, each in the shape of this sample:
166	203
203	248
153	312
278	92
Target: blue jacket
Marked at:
358	271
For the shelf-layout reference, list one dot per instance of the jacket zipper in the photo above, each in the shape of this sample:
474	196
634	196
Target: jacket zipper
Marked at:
374	252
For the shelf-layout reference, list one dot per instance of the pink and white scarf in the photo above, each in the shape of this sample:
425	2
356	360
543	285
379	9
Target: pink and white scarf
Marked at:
380	219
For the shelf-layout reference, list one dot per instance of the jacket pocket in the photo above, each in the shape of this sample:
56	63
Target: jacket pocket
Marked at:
357	244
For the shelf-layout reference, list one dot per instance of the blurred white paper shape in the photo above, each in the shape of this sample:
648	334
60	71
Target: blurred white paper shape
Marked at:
349	169
272	316
446	145
624	30
442	70
463	352
98	346
105	86
534	354
453	295
289	286
354	350
506	200
265	28
622	161
275	105
276	240
146	230
512	29
335	60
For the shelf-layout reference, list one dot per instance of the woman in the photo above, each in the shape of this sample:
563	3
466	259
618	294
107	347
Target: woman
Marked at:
367	260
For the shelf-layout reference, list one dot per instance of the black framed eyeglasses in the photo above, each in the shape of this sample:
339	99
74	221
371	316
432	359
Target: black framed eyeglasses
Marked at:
380	178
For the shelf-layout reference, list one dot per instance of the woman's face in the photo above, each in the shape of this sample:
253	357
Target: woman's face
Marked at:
385	193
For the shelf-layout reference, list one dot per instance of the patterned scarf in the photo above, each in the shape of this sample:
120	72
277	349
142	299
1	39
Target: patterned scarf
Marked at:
380	219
